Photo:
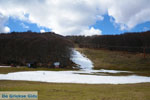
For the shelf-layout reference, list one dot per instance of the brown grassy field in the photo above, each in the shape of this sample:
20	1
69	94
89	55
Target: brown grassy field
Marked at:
52	91
18	69
117	60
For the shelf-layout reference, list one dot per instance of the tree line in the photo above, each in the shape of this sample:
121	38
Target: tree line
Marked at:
42	49
131	42
21	48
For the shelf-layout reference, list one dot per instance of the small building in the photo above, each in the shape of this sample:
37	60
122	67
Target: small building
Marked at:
57	64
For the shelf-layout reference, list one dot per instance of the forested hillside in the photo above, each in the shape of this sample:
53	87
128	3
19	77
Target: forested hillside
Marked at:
29	47
131	42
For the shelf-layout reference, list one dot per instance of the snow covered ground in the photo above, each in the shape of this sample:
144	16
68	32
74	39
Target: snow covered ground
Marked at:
80	59
71	77
75	76
5	66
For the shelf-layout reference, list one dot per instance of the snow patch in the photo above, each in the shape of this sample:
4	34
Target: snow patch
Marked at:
81	60
5	66
71	77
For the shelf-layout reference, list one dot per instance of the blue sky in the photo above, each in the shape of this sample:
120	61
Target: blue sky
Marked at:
75	17
105	25
108	27
17	25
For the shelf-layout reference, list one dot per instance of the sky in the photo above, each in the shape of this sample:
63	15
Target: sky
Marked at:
75	17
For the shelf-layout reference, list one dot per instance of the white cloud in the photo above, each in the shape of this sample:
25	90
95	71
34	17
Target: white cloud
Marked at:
3	28
42	31
91	31
65	17
73	17
6	29
129	13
